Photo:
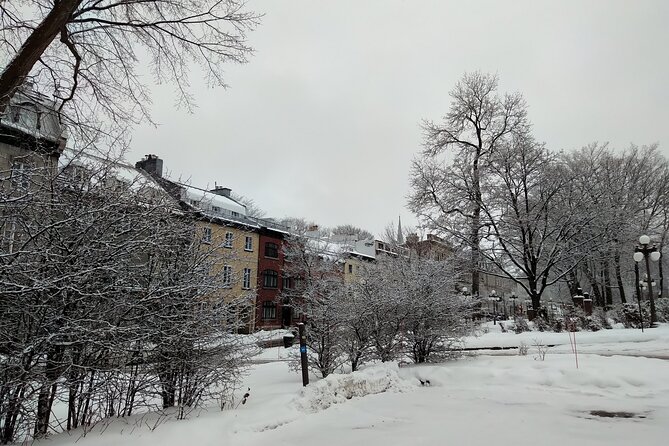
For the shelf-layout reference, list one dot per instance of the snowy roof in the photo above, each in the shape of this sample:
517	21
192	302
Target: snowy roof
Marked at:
33	114
211	202
337	246
102	167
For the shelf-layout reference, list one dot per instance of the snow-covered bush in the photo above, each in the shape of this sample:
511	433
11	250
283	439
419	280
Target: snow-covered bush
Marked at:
395	307
321	297
662	309
541	324
415	308
521	325
628	315
602	318
110	302
523	348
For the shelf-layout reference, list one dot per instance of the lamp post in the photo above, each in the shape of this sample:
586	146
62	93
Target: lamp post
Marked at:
494	299
647	252
513	298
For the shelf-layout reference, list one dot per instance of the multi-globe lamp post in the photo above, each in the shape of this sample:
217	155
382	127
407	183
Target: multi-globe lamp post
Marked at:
513	298
494	298
647	252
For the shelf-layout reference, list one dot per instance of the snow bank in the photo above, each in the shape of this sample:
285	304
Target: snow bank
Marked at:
336	389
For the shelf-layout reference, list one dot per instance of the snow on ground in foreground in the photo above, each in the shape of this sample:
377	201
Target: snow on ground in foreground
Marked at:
482	400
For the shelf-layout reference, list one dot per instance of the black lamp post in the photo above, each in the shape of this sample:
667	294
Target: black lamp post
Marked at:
513	298
647	252
494	298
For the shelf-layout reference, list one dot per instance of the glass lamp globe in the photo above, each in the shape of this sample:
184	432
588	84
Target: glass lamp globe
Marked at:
655	256
638	256
644	239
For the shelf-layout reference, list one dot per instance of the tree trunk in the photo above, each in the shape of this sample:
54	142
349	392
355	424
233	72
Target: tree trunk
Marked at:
619	276
476	224
592	278
608	293
38	41
573	283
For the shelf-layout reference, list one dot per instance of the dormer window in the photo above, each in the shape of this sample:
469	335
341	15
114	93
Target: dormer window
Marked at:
26	115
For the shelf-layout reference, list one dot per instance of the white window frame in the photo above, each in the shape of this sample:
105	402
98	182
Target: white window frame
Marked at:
227	276
248	243
21	175
246	280
229	237
268	310
9	234
206	235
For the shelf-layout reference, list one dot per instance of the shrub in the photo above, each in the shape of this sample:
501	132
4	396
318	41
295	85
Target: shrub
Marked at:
521	325
541	324
662	309
628	314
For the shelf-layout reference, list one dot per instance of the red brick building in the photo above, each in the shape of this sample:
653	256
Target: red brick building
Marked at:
270	313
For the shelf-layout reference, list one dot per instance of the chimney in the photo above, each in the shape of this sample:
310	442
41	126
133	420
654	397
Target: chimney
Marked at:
152	165
220	190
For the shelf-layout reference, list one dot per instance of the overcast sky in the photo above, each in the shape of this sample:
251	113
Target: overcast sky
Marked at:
324	120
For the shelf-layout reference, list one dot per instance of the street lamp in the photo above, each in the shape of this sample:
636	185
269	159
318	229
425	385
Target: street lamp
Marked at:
513	298
494	298
647	252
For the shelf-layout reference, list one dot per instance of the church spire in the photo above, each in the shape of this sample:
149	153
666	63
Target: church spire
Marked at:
400	236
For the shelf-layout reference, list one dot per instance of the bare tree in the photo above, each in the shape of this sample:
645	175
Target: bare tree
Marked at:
534	237
352	230
85	53
252	208
108	299
410	306
450	199
625	193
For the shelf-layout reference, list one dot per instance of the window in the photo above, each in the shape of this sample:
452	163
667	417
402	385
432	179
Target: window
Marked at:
21	175
227	275
287	283
271	250
246	280
270	278
228	239
248	244
350	269
10	236
216	209
206	235
268	310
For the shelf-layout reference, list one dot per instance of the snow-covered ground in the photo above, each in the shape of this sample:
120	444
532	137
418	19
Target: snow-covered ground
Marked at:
478	400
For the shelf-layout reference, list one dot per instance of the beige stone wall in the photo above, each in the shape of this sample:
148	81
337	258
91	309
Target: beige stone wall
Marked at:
238	257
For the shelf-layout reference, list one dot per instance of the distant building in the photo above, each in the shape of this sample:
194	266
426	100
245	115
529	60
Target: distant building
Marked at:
271	311
224	225
31	139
